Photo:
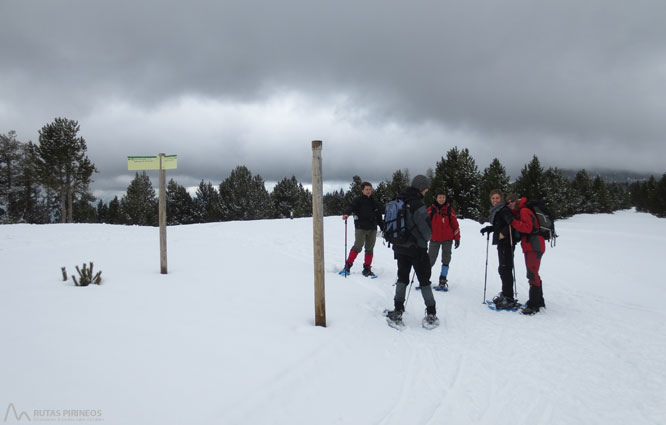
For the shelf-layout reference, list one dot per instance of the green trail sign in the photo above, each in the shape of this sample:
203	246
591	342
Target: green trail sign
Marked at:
169	162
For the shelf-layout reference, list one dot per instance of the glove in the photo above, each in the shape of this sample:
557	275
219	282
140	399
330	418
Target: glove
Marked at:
456	244
487	229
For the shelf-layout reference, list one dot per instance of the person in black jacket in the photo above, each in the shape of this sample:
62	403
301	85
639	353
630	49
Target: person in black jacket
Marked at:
414	253
367	216
505	239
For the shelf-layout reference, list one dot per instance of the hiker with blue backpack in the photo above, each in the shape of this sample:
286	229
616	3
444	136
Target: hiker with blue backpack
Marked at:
534	246
367	216
411	250
445	234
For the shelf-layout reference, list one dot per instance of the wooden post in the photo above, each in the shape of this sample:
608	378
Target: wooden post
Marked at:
162	214
318	234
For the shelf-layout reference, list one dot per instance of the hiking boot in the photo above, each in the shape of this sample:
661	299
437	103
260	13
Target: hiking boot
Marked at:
443	284
529	311
536	297
367	271
503	302
430	321
347	270
395	315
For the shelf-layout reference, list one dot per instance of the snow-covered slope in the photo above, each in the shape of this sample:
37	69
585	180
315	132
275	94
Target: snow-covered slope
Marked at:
228	336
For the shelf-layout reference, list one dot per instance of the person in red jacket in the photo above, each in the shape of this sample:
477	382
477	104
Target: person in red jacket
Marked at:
533	245
445	233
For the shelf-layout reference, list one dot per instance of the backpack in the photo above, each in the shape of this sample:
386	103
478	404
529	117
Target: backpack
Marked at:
448	213
396	230
546	221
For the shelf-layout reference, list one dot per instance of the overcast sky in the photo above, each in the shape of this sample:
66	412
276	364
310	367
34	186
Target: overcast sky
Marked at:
385	84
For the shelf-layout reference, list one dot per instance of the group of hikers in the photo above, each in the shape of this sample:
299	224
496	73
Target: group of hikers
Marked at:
436	227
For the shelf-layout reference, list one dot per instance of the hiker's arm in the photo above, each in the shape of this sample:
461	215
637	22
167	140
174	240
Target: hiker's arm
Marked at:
524	224
421	222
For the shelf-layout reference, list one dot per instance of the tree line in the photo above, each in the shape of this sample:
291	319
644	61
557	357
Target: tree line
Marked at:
50	182
650	196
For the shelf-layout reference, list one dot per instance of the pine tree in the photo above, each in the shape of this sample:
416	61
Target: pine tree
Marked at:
530	183
11	170
619	196
83	211
115	213
354	190
33	204
304	205
458	175
659	197
180	207
582	194
62	164
601	201
287	197
139	205
207	203
334	203
381	195
559	191
102	212
399	182
244	197
493	177
651	199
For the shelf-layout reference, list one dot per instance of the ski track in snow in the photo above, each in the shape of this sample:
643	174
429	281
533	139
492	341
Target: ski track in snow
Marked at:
229	337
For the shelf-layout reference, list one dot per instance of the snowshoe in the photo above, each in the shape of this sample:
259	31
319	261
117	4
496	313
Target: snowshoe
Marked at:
430	321
502	302
443	284
394	319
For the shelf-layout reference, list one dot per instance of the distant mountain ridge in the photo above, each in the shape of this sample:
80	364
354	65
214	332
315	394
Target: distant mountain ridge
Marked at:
618	176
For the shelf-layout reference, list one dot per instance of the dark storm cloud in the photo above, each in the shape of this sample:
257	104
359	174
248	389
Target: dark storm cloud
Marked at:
391	84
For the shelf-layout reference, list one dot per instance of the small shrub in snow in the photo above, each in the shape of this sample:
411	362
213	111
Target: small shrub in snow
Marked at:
86	276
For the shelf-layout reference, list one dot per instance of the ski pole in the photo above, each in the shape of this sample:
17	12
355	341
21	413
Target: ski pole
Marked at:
485	279
345	259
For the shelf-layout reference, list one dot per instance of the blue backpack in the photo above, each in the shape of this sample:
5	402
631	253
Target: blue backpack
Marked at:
396	230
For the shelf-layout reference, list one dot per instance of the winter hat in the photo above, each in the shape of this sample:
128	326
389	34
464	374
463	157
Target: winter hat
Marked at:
420	182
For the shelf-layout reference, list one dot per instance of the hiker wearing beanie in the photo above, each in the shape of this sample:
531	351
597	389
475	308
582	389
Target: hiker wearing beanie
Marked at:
367	216
533	245
445	234
414	253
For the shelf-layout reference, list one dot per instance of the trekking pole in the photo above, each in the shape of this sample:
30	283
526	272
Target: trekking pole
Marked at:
513	263
485	279
408	292
345	258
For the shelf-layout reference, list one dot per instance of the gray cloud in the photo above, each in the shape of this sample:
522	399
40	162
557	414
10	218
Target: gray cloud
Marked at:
386	84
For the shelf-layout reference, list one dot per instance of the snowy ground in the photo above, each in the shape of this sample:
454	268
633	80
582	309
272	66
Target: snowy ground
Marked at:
228	336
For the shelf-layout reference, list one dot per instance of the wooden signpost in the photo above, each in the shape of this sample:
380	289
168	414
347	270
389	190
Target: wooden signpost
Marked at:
318	234
162	163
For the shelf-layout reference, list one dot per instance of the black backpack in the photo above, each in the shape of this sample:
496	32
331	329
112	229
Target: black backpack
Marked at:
396	230
546	221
